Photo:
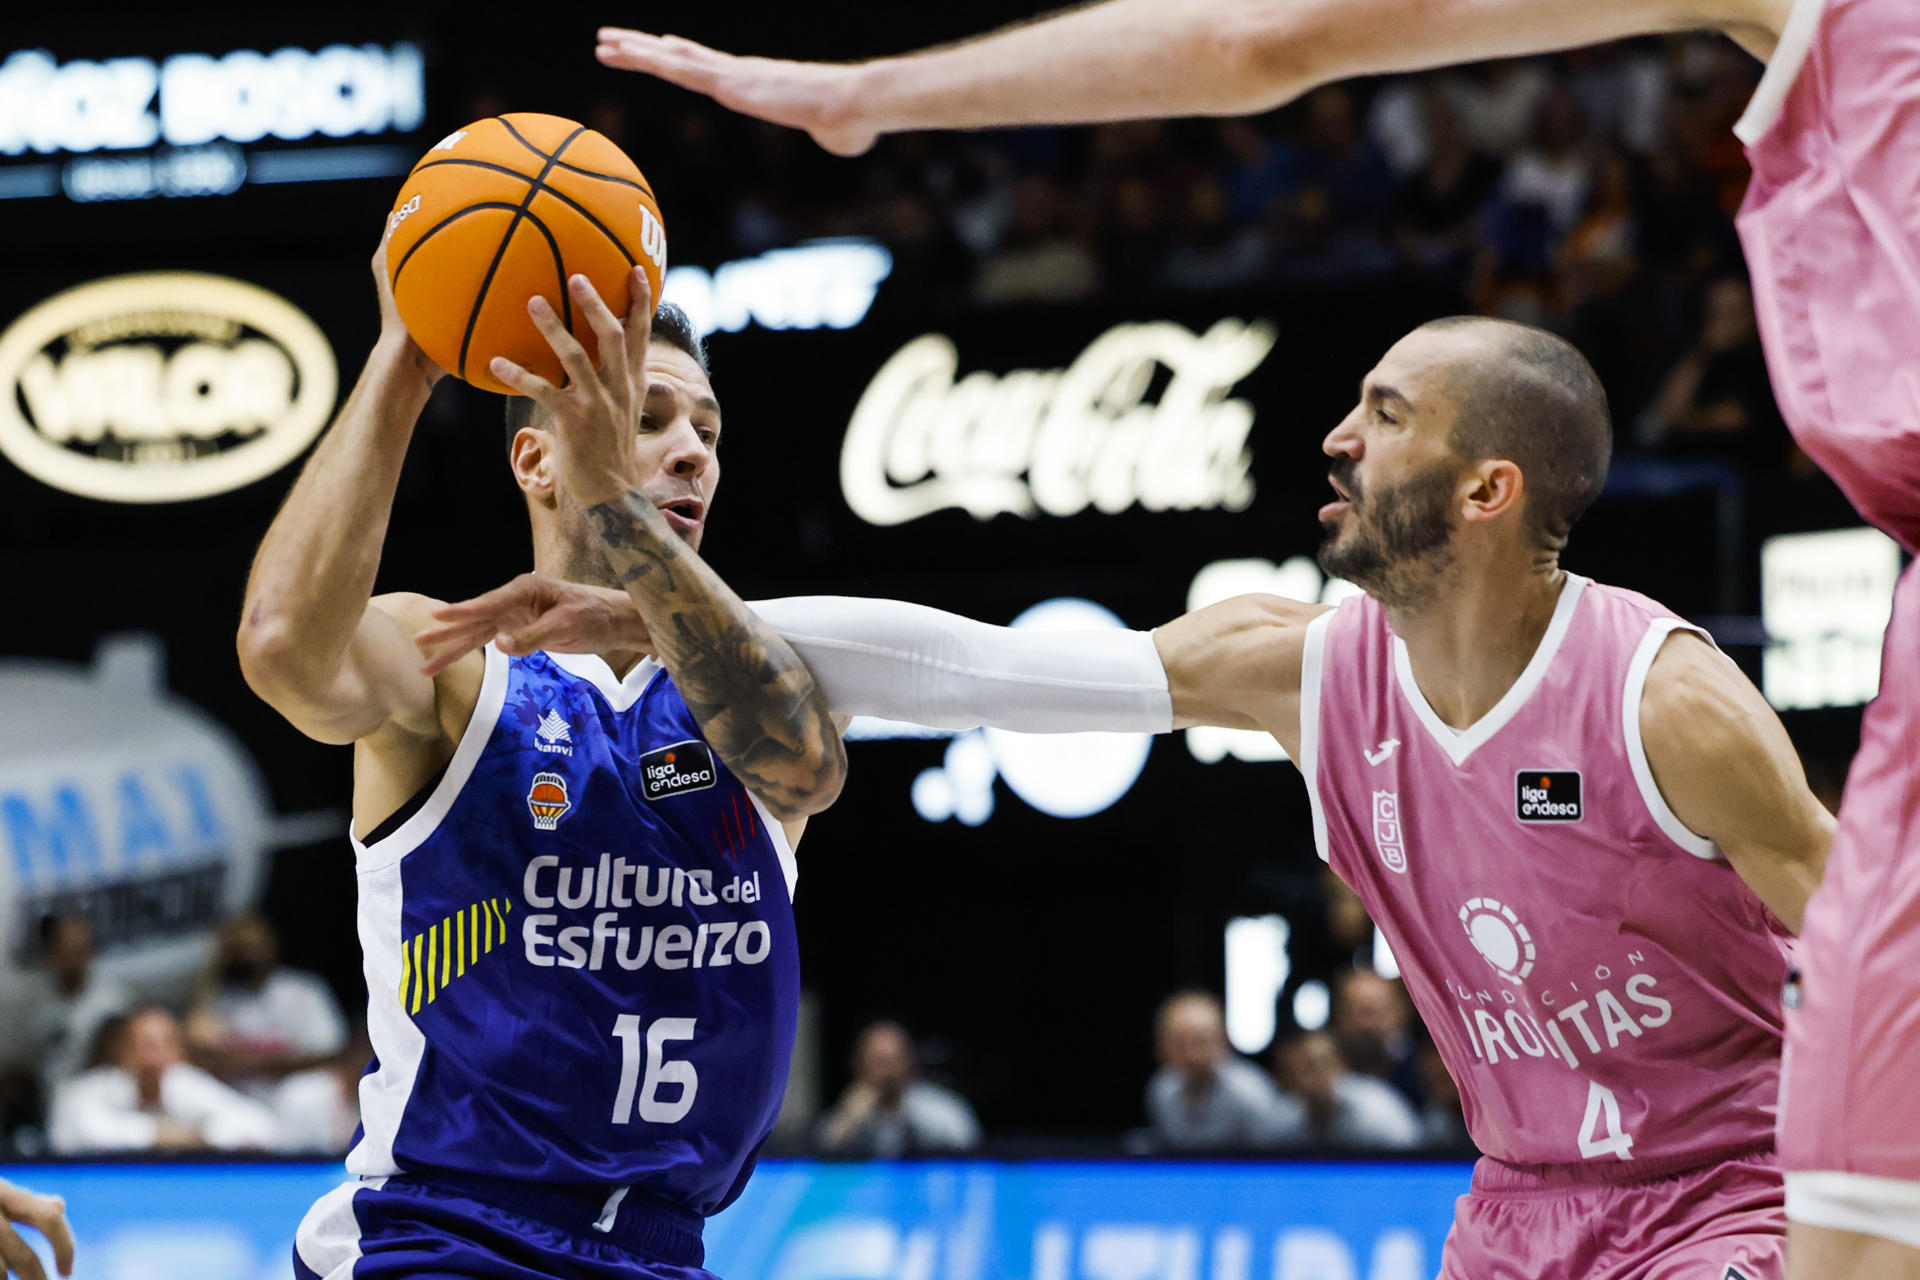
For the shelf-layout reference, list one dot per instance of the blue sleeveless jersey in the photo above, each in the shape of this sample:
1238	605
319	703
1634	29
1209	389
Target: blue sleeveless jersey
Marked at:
580	949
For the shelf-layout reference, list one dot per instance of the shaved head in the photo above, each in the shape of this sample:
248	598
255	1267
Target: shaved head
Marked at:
1530	397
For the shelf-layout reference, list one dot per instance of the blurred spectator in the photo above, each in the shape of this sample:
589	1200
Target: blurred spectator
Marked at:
71	1001
317	1110
1041	259
1343	1109
1210	251
143	1095
1436	216
1443	1127
255	1020
1372	1025
888	1110
1718	398
1206	1098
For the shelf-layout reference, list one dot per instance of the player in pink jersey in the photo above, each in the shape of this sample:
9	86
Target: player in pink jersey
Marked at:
1579	825
1832	230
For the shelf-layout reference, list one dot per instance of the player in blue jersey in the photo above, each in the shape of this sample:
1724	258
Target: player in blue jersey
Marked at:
575	869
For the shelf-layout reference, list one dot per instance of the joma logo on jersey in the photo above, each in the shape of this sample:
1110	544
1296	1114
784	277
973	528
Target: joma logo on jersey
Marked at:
678	769
1387	836
1547	795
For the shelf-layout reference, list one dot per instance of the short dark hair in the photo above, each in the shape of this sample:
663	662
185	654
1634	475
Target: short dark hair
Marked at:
671	325
1535	401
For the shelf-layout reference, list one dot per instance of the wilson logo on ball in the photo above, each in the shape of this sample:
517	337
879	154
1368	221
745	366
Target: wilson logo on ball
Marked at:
162	387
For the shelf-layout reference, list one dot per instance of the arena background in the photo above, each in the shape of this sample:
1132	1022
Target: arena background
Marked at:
1026	950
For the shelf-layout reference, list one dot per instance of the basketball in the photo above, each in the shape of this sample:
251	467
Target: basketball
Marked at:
507	208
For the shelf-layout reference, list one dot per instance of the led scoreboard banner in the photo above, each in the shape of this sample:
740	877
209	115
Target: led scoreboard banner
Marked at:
195	124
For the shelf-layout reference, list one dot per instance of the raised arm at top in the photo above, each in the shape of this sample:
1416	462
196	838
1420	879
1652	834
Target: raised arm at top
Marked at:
1135	59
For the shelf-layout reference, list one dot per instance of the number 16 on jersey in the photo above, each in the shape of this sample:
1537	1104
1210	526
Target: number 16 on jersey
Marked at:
660	1070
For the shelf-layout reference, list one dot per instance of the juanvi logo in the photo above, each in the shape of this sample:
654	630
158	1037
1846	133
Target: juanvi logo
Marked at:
162	387
1058	440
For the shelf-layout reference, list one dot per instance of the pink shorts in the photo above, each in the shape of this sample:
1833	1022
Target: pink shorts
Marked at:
1724	1221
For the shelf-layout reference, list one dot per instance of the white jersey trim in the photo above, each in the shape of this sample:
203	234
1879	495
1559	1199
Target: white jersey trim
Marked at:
777	832
1461	743
398	1043
1656	638
1312	664
1885	1207
414	831
328	1240
591	667
1770	99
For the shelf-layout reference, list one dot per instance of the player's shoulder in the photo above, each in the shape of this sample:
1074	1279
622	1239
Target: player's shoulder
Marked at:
1257	612
1694	692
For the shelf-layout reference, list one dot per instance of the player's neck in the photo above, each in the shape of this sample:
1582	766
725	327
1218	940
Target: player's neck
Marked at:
1469	645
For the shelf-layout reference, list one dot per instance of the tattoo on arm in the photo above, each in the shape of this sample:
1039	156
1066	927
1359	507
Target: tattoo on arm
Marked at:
753	697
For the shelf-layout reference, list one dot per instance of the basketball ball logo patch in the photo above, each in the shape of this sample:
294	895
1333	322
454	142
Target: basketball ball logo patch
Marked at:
548	801
678	769
1547	795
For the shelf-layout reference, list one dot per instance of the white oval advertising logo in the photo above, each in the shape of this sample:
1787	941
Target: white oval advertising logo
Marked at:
162	387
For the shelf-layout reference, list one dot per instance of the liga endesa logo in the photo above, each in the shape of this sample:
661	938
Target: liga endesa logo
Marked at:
162	387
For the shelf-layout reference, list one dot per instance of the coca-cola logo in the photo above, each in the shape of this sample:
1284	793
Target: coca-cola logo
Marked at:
1059	440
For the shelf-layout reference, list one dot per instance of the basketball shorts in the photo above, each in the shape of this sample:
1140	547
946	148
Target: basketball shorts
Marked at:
1725	1221
411	1229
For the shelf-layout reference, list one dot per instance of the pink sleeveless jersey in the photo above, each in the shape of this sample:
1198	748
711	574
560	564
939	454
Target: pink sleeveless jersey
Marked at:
1832	231
1602	986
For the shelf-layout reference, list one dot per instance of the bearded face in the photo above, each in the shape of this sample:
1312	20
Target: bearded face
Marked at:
1391	540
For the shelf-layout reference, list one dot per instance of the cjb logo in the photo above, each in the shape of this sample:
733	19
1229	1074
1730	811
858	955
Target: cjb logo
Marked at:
1547	795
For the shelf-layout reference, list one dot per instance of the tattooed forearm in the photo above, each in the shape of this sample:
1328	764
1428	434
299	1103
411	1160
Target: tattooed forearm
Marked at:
752	695
636	539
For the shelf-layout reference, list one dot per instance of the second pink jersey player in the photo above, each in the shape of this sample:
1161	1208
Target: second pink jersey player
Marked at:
1832	232
1601	985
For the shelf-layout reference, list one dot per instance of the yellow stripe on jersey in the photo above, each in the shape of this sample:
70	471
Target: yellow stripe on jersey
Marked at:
433	958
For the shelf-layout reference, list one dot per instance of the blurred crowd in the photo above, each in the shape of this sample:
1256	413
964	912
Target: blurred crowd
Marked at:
259	1058
1591	193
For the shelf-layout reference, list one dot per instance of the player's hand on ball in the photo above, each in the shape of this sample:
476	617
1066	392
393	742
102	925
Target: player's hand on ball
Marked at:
45	1214
534	612
594	415
815	96
393	330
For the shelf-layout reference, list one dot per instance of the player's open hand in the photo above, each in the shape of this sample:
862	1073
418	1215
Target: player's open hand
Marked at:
595	416
818	97
534	612
45	1214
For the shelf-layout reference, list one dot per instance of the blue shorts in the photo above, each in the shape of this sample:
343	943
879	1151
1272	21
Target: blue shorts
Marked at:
406	1228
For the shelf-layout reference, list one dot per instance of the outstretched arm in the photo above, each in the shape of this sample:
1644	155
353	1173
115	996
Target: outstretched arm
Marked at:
1725	766
754	699
1235	664
1132	59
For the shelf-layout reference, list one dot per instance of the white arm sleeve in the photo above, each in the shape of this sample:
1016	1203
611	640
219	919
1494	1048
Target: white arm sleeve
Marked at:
907	662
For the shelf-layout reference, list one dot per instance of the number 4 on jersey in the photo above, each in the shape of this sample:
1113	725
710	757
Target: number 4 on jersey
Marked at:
661	1070
1600	1131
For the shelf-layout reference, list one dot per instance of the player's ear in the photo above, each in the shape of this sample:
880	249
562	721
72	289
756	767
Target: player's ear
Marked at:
1494	489
531	457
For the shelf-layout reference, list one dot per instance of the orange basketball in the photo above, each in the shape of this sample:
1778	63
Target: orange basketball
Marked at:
507	208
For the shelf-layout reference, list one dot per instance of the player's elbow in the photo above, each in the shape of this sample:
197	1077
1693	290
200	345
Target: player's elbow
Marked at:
269	652
809	782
